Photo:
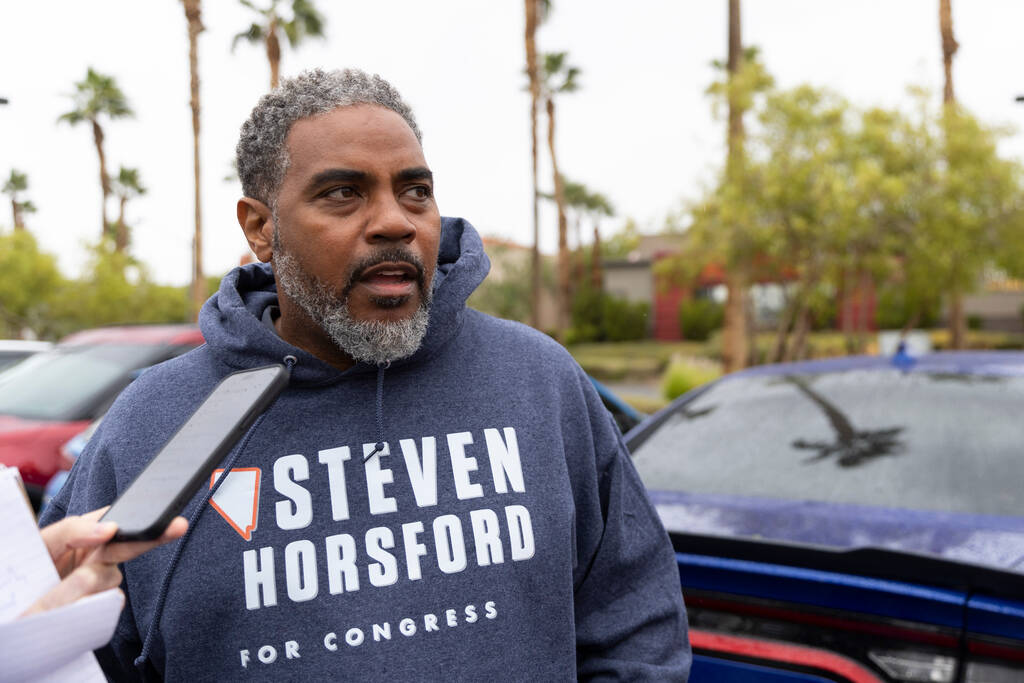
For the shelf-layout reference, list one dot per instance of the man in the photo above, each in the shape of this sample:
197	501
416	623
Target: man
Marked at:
438	495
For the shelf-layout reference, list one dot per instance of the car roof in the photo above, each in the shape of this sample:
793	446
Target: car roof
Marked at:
957	362
7	345
137	334
944	362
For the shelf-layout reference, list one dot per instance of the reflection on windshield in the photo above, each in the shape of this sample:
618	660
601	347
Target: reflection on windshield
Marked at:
69	383
852	446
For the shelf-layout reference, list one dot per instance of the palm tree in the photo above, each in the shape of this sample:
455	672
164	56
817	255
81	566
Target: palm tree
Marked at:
957	314
305	21
583	203
734	329
536	12
15	185
557	76
125	186
97	96
195	26
598	206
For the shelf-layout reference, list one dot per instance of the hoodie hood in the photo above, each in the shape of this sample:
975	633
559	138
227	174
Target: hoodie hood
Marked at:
230	319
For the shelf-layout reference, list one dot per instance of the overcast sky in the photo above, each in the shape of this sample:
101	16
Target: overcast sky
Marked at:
640	129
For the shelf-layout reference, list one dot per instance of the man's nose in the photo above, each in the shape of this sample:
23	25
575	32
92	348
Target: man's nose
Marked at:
390	222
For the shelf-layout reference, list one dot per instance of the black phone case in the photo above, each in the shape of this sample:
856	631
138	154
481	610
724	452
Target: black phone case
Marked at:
130	527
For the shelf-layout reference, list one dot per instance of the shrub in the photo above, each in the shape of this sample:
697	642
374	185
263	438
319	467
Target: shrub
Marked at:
683	375
893	310
624	320
698	318
974	322
597	316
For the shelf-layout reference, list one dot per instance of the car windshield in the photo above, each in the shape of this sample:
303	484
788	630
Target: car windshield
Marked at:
10	359
921	441
69	383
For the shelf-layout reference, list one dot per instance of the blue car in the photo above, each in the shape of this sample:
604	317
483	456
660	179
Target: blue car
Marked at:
855	519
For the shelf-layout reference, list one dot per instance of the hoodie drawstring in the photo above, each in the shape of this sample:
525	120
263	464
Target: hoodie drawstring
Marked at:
379	448
161	599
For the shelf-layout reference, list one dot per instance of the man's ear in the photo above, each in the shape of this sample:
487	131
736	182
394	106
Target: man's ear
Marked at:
258	225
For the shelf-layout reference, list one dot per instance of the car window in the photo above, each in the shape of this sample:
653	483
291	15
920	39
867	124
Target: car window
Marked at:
11	359
68	383
936	441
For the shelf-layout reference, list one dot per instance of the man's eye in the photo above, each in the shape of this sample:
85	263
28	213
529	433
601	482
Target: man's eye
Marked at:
419	192
346	192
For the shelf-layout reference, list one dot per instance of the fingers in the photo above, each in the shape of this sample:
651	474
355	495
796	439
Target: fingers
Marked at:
116	553
86	580
76	532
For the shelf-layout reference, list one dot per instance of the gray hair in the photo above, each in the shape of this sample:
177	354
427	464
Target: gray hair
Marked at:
261	154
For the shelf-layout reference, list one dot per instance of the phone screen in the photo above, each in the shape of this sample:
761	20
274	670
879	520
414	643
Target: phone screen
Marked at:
169	481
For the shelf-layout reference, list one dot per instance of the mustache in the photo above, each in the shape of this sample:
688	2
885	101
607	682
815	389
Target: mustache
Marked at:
388	255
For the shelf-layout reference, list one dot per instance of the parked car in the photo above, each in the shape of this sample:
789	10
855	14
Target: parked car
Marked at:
51	397
16	350
855	519
625	415
69	452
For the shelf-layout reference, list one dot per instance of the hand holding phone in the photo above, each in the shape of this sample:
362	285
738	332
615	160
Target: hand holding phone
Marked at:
163	488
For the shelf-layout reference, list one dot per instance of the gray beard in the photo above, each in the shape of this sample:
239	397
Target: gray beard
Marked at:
367	341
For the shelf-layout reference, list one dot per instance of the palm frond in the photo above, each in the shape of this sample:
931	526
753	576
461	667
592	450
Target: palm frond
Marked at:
254	34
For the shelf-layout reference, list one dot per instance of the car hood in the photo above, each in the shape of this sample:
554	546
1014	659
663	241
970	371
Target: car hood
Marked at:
976	539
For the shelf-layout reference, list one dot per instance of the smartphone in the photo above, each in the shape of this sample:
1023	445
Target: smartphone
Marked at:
163	488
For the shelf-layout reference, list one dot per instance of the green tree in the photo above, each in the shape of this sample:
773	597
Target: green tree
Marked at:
29	279
125	186
305	22
971	214
506	291
98	96
557	76
115	289
17	183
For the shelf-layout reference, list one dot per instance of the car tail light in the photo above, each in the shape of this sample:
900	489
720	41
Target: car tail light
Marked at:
842	645
903	665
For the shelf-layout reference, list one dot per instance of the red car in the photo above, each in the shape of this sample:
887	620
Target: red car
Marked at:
52	396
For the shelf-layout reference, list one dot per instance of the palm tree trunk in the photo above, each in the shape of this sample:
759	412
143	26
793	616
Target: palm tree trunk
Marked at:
949	47
596	276
957	321
531	71
121	229
195	25
273	53
578	265
734	330
16	214
735	134
564	293
97	136
957	316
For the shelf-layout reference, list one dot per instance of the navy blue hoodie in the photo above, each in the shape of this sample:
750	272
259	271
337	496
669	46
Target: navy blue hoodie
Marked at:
502	535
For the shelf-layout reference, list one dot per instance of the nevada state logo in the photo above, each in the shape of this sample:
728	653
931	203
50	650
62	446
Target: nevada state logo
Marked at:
238	499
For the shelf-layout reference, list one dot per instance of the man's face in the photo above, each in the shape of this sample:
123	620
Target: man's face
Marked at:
356	225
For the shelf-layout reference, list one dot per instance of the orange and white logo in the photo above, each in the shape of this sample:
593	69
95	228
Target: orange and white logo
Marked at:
238	499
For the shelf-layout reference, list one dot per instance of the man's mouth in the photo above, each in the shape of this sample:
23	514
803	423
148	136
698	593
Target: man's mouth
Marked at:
392	279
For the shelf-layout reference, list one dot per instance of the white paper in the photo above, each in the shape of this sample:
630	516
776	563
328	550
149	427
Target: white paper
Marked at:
26	571
55	645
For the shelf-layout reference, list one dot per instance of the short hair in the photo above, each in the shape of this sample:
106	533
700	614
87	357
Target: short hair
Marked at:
261	154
